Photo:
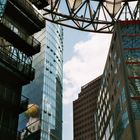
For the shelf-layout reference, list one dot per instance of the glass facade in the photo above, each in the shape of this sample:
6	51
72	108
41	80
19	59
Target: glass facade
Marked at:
131	51
46	90
2	7
118	114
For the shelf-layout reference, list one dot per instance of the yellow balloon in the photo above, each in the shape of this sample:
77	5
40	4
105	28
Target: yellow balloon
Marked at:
32	111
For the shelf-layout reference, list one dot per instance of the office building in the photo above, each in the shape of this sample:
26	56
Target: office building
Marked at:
118	115
43	120
18	22
84	109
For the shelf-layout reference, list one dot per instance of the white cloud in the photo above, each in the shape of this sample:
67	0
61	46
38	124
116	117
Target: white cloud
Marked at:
86	64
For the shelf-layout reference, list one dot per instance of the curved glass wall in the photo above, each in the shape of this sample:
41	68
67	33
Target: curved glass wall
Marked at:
46	90
52	89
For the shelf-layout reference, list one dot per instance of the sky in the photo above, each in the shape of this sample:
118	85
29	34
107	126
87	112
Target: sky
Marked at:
84	59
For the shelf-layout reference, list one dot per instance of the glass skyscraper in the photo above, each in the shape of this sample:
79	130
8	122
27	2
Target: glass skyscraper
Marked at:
44	116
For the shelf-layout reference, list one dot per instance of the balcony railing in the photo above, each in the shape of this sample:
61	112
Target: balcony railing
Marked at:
33	44
19	64
40	4
27	8
31	131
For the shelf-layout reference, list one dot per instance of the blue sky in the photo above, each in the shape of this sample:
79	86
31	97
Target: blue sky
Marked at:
71	37
84	59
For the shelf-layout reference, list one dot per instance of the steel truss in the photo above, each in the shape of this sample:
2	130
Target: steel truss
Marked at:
91	15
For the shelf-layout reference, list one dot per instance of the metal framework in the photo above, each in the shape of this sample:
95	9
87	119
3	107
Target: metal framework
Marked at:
91	15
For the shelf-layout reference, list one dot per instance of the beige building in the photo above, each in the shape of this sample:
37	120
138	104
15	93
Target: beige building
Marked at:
83	111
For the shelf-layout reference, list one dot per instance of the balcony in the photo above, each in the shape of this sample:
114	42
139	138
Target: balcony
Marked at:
14	65
23	104
25	15
31	132
27	44
40	4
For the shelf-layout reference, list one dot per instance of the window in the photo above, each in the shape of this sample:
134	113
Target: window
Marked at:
117	109
118	83
118	62
115	56
123	98
115	71
112	138
111	124
125	120
104	138
115	91
107	132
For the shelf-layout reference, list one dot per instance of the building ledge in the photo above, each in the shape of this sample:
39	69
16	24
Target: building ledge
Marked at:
13	68
23	13
27	44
